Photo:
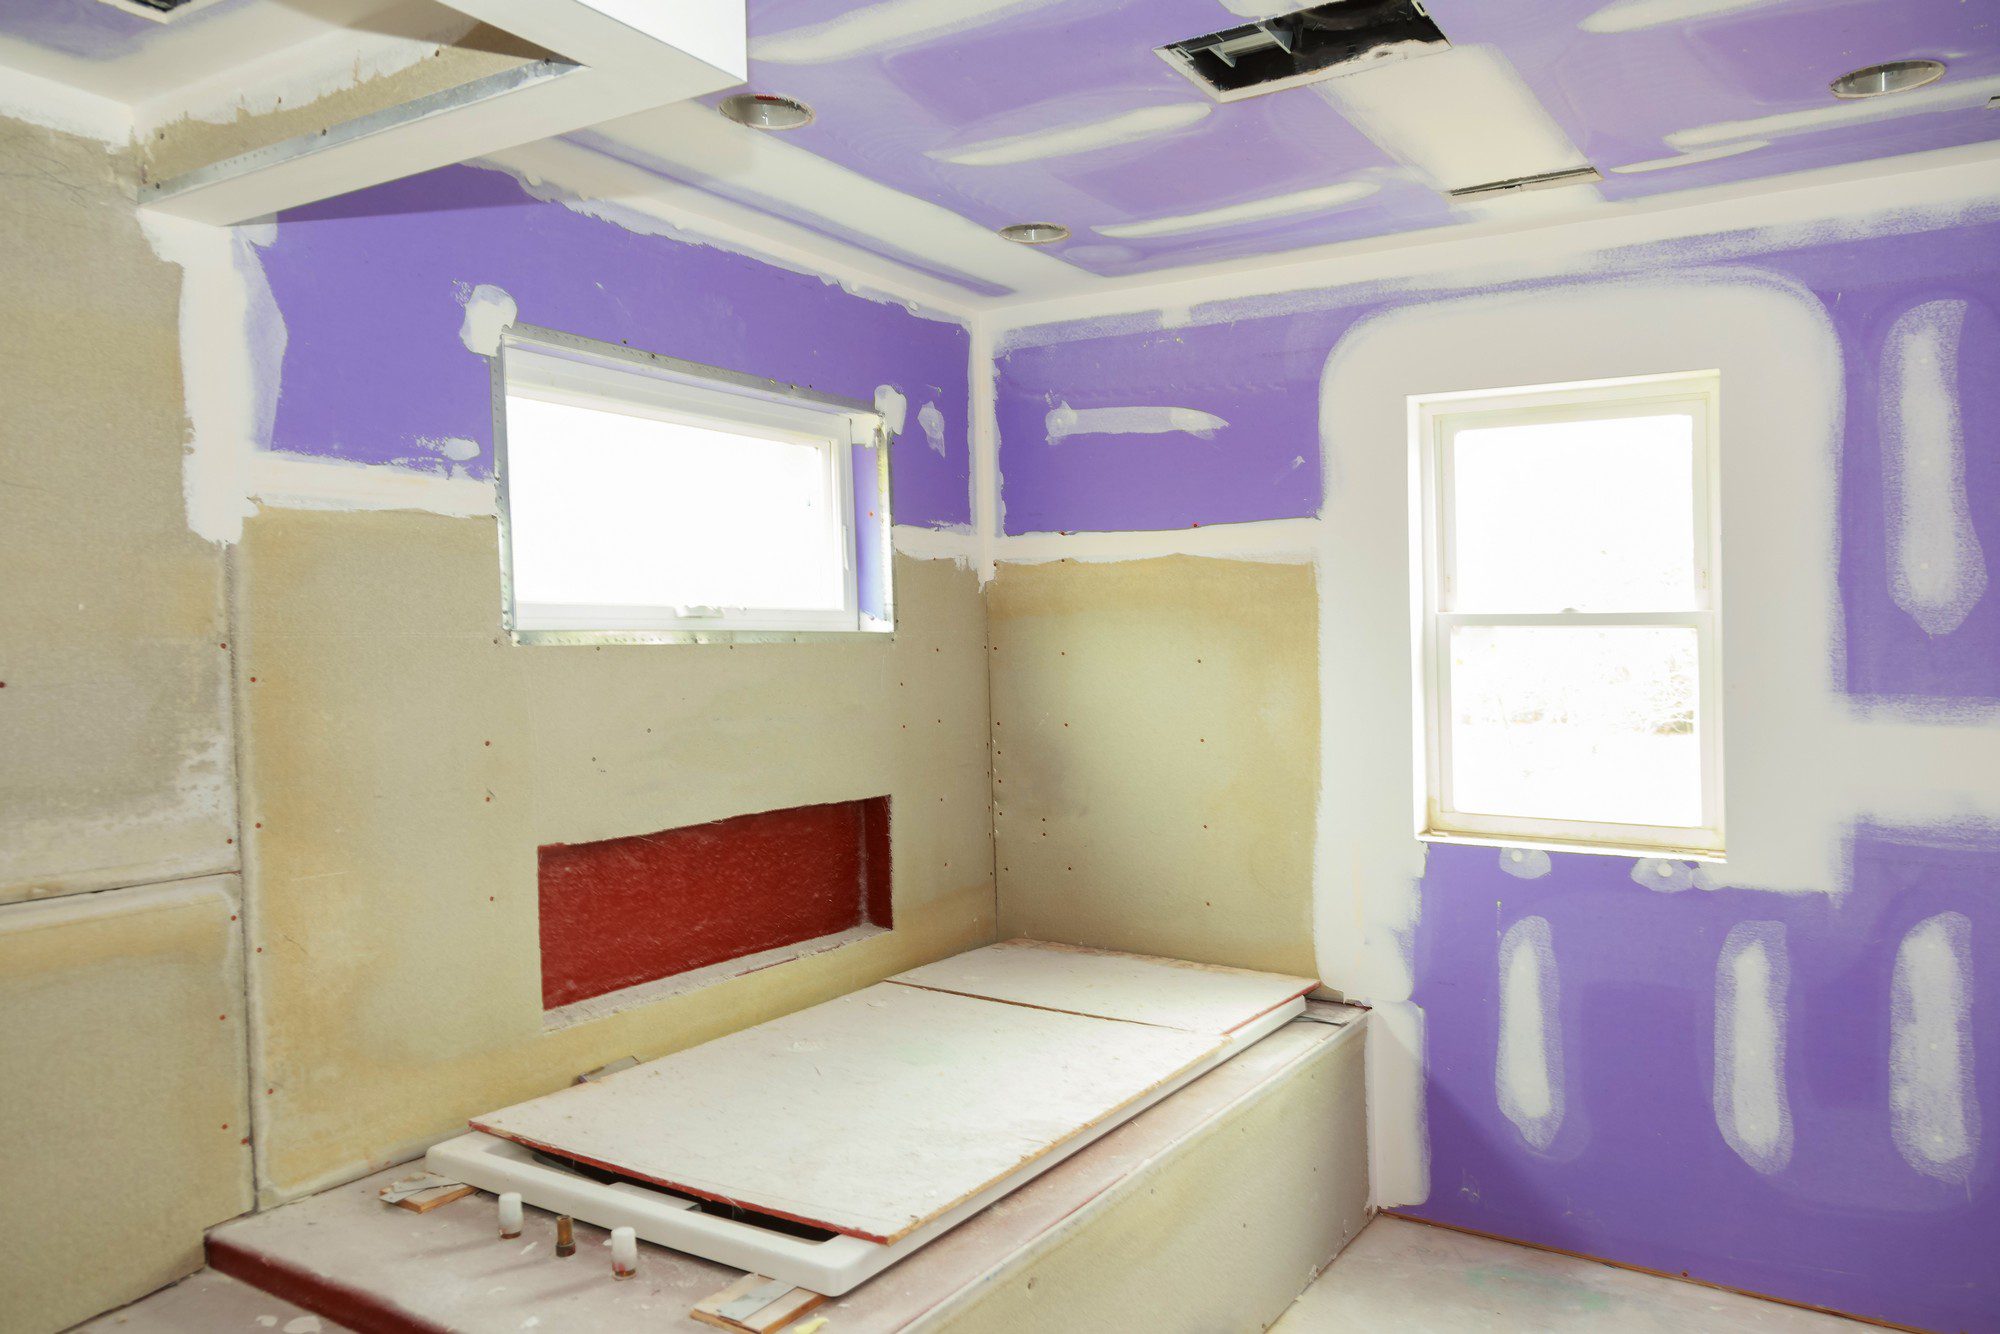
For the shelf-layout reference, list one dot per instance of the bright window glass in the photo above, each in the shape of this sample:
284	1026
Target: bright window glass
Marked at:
1569	643
609	509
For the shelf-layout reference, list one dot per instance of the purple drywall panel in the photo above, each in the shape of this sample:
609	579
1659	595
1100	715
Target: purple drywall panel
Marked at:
1639	1169
371	287
93	30
1259	377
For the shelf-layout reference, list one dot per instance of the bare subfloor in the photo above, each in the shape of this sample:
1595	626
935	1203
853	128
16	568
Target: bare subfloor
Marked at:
1415	1279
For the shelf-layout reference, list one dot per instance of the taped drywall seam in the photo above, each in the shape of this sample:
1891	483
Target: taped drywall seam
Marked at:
890	25
1528	1070
983	438
57	106
1937	570
300	481
594	185
1752	1108
1064	421
1318	200
1066	140
249	852
1945	96
1277	541
1933	1103
1628	15
232	342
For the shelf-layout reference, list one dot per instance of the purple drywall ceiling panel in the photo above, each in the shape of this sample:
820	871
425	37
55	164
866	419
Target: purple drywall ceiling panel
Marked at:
92	29
372	286
943	103
1639	1168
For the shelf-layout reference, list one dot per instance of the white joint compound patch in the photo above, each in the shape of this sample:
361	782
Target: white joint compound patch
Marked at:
931	422
232	351
1662	875
894	407
1937	570
1693	157
1933	1107
1626	15
1524	863
1752	1108
1257	210
1942	96
488	312
888	26
1528	1074
1067	140
1064	421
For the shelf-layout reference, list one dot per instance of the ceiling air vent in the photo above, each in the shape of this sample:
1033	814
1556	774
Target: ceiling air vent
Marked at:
160	11
1304	46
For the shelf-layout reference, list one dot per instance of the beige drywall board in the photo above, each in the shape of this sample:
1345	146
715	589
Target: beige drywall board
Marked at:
869	1115
374	840
1137	988
122	1091
115	767
1156	756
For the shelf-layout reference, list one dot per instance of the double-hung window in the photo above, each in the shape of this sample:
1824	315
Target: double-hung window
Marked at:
1568	641
647	499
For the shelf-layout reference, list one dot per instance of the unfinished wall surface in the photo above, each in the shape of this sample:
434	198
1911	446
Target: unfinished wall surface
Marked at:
404	761
121	1001
1155	757
116	765
1775	1073
121	1031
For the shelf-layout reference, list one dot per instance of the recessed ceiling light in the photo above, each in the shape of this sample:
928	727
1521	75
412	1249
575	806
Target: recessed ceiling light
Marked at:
766	111
1035	233
1898	76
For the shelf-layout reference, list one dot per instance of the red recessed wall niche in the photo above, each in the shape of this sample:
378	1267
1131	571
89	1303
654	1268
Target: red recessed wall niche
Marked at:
628	910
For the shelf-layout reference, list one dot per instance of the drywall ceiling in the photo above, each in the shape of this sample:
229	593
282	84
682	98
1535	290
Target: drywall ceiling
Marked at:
1011	110
939	121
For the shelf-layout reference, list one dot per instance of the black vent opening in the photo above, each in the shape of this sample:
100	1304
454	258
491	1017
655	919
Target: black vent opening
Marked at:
1308	44
158	6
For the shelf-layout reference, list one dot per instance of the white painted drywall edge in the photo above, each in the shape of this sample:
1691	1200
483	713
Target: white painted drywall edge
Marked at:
298	481
57	106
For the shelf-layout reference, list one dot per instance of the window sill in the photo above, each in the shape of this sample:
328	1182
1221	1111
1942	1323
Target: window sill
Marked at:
1535	844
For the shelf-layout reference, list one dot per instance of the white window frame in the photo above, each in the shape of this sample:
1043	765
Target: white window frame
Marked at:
1434	420
555	367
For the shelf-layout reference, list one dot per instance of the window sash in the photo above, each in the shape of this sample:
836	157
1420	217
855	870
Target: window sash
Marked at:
572	371
1435	421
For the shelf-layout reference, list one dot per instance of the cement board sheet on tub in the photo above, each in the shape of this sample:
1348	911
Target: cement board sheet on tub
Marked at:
1171	993
869	1115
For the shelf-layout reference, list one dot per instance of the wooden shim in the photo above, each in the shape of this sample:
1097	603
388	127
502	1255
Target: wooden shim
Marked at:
419	1198
1139	988
788	1305
869	1115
